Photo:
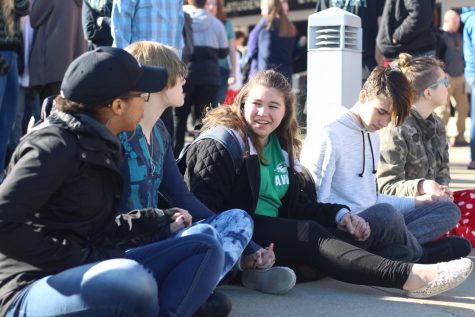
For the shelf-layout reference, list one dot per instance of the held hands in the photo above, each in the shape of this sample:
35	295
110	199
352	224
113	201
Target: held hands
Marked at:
431	191
181	219
356	226
262	259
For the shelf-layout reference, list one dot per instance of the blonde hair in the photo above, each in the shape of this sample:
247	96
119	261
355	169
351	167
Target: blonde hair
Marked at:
156	54
275	11
288	132
8	12
420	71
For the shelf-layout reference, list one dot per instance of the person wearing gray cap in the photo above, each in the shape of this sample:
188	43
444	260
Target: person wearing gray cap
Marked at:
60	237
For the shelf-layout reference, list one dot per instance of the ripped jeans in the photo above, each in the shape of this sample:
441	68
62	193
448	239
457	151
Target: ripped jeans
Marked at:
233	228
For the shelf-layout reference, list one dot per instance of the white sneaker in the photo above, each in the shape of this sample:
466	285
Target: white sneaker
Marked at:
275	280
449	275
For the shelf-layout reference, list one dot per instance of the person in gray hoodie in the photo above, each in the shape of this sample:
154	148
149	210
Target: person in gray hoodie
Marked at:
210	44
343	161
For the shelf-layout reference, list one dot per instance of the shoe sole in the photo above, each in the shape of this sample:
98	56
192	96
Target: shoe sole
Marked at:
276	280
422	293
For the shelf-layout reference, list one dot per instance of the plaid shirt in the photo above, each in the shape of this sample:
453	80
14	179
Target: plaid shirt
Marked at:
150	20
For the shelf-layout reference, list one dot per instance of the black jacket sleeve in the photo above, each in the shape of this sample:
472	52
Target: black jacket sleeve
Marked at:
141	226
210	173
92	31
29	185
419	14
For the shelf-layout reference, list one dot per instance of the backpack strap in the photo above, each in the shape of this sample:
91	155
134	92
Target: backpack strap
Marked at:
226	138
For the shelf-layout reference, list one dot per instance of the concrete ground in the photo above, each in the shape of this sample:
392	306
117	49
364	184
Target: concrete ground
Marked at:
331	298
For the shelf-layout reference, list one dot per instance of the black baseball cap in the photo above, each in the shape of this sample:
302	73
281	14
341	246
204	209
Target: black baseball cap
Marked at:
98	77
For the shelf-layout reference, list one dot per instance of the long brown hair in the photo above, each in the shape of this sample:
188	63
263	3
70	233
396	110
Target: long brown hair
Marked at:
8	12
275	11
232	116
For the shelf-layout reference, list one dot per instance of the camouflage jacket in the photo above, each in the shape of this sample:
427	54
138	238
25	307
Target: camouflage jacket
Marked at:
415	151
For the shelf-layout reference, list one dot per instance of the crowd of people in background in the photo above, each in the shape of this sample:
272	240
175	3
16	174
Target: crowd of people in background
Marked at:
101	197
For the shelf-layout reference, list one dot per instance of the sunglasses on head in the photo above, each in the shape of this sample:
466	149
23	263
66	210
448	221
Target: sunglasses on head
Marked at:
444	81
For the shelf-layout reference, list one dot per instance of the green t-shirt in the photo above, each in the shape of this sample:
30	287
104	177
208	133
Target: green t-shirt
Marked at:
274	179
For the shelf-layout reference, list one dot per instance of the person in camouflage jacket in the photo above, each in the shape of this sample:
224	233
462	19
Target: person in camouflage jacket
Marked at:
414	156
412	153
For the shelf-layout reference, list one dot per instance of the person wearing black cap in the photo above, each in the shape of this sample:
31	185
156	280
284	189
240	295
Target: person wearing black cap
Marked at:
60	236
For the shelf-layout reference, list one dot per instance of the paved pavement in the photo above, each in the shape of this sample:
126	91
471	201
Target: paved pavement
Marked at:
331	298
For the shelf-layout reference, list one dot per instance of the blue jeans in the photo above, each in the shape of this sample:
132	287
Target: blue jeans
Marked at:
223	85
432	220
172	277
28	106
233	228
471	83
8	102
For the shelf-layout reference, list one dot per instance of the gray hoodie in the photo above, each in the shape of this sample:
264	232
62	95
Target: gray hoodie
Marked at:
210	44
343	160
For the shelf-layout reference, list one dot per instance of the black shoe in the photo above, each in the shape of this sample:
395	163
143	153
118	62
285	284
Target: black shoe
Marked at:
445	250
217	305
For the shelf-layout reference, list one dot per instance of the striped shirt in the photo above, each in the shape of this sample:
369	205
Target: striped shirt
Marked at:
148	20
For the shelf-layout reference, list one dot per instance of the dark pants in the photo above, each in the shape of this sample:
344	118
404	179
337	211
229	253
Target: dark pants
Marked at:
307	247
8	103
223	85
173	277
44	91
200	96
388	233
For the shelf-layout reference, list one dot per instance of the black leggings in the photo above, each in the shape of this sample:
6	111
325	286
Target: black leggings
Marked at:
310	250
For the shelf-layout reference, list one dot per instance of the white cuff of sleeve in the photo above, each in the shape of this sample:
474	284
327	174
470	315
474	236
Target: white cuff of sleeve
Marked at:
340	214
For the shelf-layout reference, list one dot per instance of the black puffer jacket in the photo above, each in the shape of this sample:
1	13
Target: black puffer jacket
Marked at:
57	203
210	175
409	23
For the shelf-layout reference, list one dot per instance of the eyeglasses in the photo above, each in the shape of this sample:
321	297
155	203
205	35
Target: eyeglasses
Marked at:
444	81
144	95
